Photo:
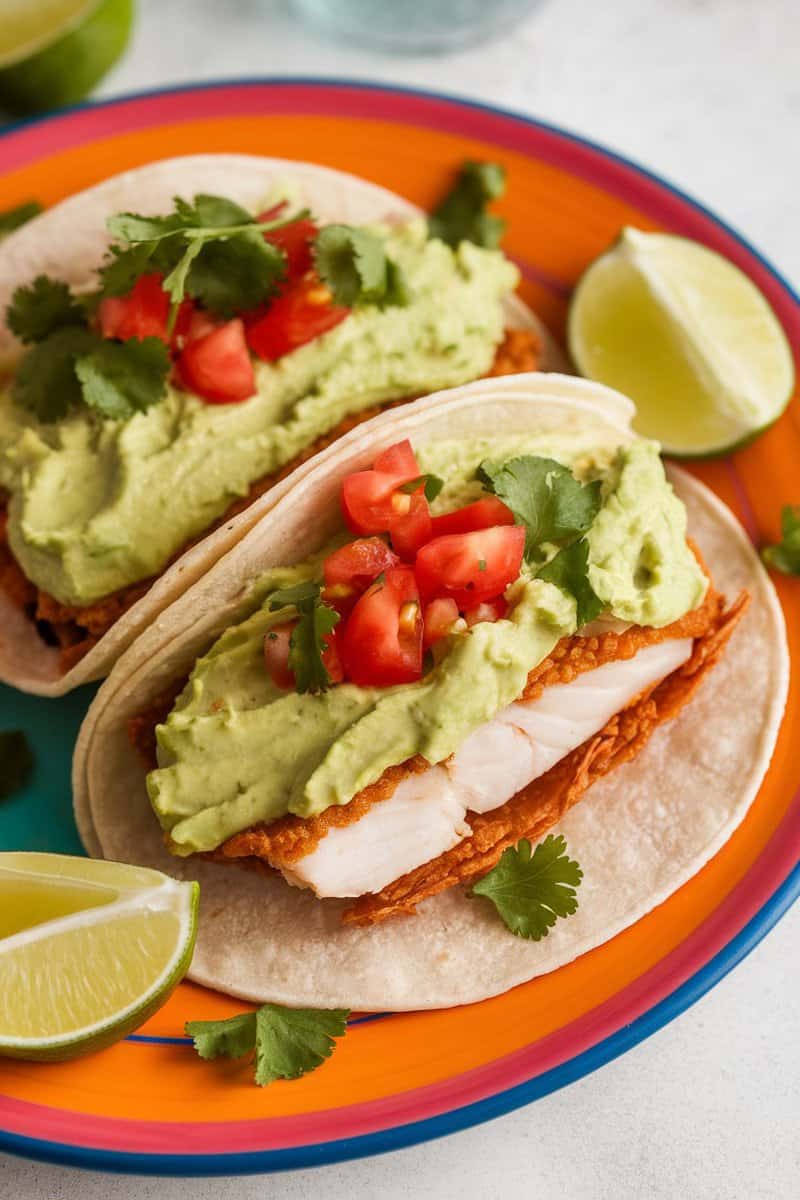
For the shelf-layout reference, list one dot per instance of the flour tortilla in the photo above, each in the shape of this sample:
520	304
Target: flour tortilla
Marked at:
638	835
69	242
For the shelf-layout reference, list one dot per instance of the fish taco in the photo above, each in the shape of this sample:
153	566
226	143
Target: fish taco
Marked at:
487	685
178	339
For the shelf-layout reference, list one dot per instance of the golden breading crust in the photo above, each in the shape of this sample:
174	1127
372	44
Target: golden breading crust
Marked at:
539	806
76	629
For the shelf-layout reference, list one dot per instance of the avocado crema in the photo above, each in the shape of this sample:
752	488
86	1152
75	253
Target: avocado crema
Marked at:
236	750
98	504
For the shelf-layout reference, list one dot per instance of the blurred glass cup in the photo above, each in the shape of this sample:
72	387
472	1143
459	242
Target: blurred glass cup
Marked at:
415	26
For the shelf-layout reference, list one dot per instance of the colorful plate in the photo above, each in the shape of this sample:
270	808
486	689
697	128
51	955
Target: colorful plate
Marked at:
148	1104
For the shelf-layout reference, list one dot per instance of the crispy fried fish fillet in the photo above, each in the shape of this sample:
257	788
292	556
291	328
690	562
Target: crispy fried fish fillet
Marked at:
76	629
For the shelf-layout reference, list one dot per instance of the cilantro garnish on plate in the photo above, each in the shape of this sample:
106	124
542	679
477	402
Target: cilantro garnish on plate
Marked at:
308	640
288	1042
354	264
785	556
462	215
16	762
532	890
14	218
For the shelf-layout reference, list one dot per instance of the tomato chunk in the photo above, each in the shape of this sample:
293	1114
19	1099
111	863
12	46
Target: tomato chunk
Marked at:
471	567
217	365
482	514
276	655
371	501
382	641
296	242
303	311
440	617
350	570
143	313
487	610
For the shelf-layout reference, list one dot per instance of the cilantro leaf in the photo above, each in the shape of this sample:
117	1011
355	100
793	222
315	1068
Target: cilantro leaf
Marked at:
308	642
234	275
39	308
132	228
16	762
433	485
461	216
213	212
288	1042
785	556
123	378
569	570
545	497
531	891
124	266
354	264
13	218
45	382
232	1038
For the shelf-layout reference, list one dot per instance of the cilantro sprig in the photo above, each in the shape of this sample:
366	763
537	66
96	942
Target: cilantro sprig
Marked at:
211	249
569	570
16	762
355	266
307	643
545	497
785	555
531	890
286	1042
14	218
462	215
40	308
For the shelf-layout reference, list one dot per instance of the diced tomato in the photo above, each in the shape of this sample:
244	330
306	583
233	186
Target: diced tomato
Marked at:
296	241
199	324
276	655
143	313
217	365
482	514
351	569
371	502
440	617
410	529
274	213
487	610
382	641
331	656
471	567
303	311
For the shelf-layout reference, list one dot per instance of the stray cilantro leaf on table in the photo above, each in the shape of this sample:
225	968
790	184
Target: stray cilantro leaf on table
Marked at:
462	215
433	485
545	497
288	1042
40	308
16	762
569	570
122	378
212	250
308	640
14	218
354	264
532	890
785	556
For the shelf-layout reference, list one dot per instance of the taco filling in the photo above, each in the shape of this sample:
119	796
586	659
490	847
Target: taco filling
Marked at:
505	621
218	350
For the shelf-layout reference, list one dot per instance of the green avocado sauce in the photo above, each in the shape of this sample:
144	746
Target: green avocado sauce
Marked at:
96	504
236	750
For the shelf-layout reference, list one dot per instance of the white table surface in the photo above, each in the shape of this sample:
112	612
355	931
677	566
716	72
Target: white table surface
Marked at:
707	92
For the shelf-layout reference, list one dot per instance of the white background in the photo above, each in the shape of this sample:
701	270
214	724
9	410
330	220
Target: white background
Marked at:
707	92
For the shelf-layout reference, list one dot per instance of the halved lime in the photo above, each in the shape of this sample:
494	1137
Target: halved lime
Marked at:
53	52
88	951
687	336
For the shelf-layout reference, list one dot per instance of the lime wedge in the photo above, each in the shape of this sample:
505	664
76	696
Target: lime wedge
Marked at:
88	951
687	336
53	52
